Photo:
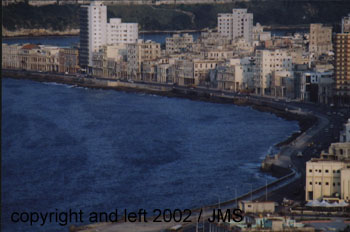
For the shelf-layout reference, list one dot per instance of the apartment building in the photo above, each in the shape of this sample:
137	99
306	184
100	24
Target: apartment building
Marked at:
10	54
282	84
342	68
95	32
345	24
107	62
139	52
184	72
236	25
317	86
118	32
266	63
178	43
320	39
201	70
68	60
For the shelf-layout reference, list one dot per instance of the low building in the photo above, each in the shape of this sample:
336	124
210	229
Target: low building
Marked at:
317	87
257	207
10	56
68	60
328	177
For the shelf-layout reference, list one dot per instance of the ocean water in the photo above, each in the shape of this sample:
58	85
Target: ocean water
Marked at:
66	147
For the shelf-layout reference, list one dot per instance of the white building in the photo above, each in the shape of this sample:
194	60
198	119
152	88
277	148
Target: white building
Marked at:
95	32
118	32
267	62
235	25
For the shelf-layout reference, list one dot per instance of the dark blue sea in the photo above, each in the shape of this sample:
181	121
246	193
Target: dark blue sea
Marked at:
66	147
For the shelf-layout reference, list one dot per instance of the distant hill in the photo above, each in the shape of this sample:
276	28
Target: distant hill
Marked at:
171	17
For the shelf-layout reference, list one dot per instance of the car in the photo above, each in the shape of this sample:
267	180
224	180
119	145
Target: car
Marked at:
300	154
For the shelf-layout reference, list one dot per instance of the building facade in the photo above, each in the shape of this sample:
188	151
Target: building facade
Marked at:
118	32
236	25
342	68
320	39
266	63
95	32
178	43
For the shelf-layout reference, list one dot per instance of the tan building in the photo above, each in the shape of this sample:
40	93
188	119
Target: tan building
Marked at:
257	207
267	62
68	60
320	39
225	78
138	53
342	68
109	61
323	179
201	70
178	43
184	72
282	84
39	58
328	177
10	58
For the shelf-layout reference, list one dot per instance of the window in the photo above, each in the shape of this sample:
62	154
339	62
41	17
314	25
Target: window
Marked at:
310	170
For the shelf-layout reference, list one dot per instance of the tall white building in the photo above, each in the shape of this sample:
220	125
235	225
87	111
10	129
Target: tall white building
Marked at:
95	32
235	25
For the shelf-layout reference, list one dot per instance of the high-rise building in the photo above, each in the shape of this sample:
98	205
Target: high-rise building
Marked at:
342	68
95	32
235	25
345	24
320	39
